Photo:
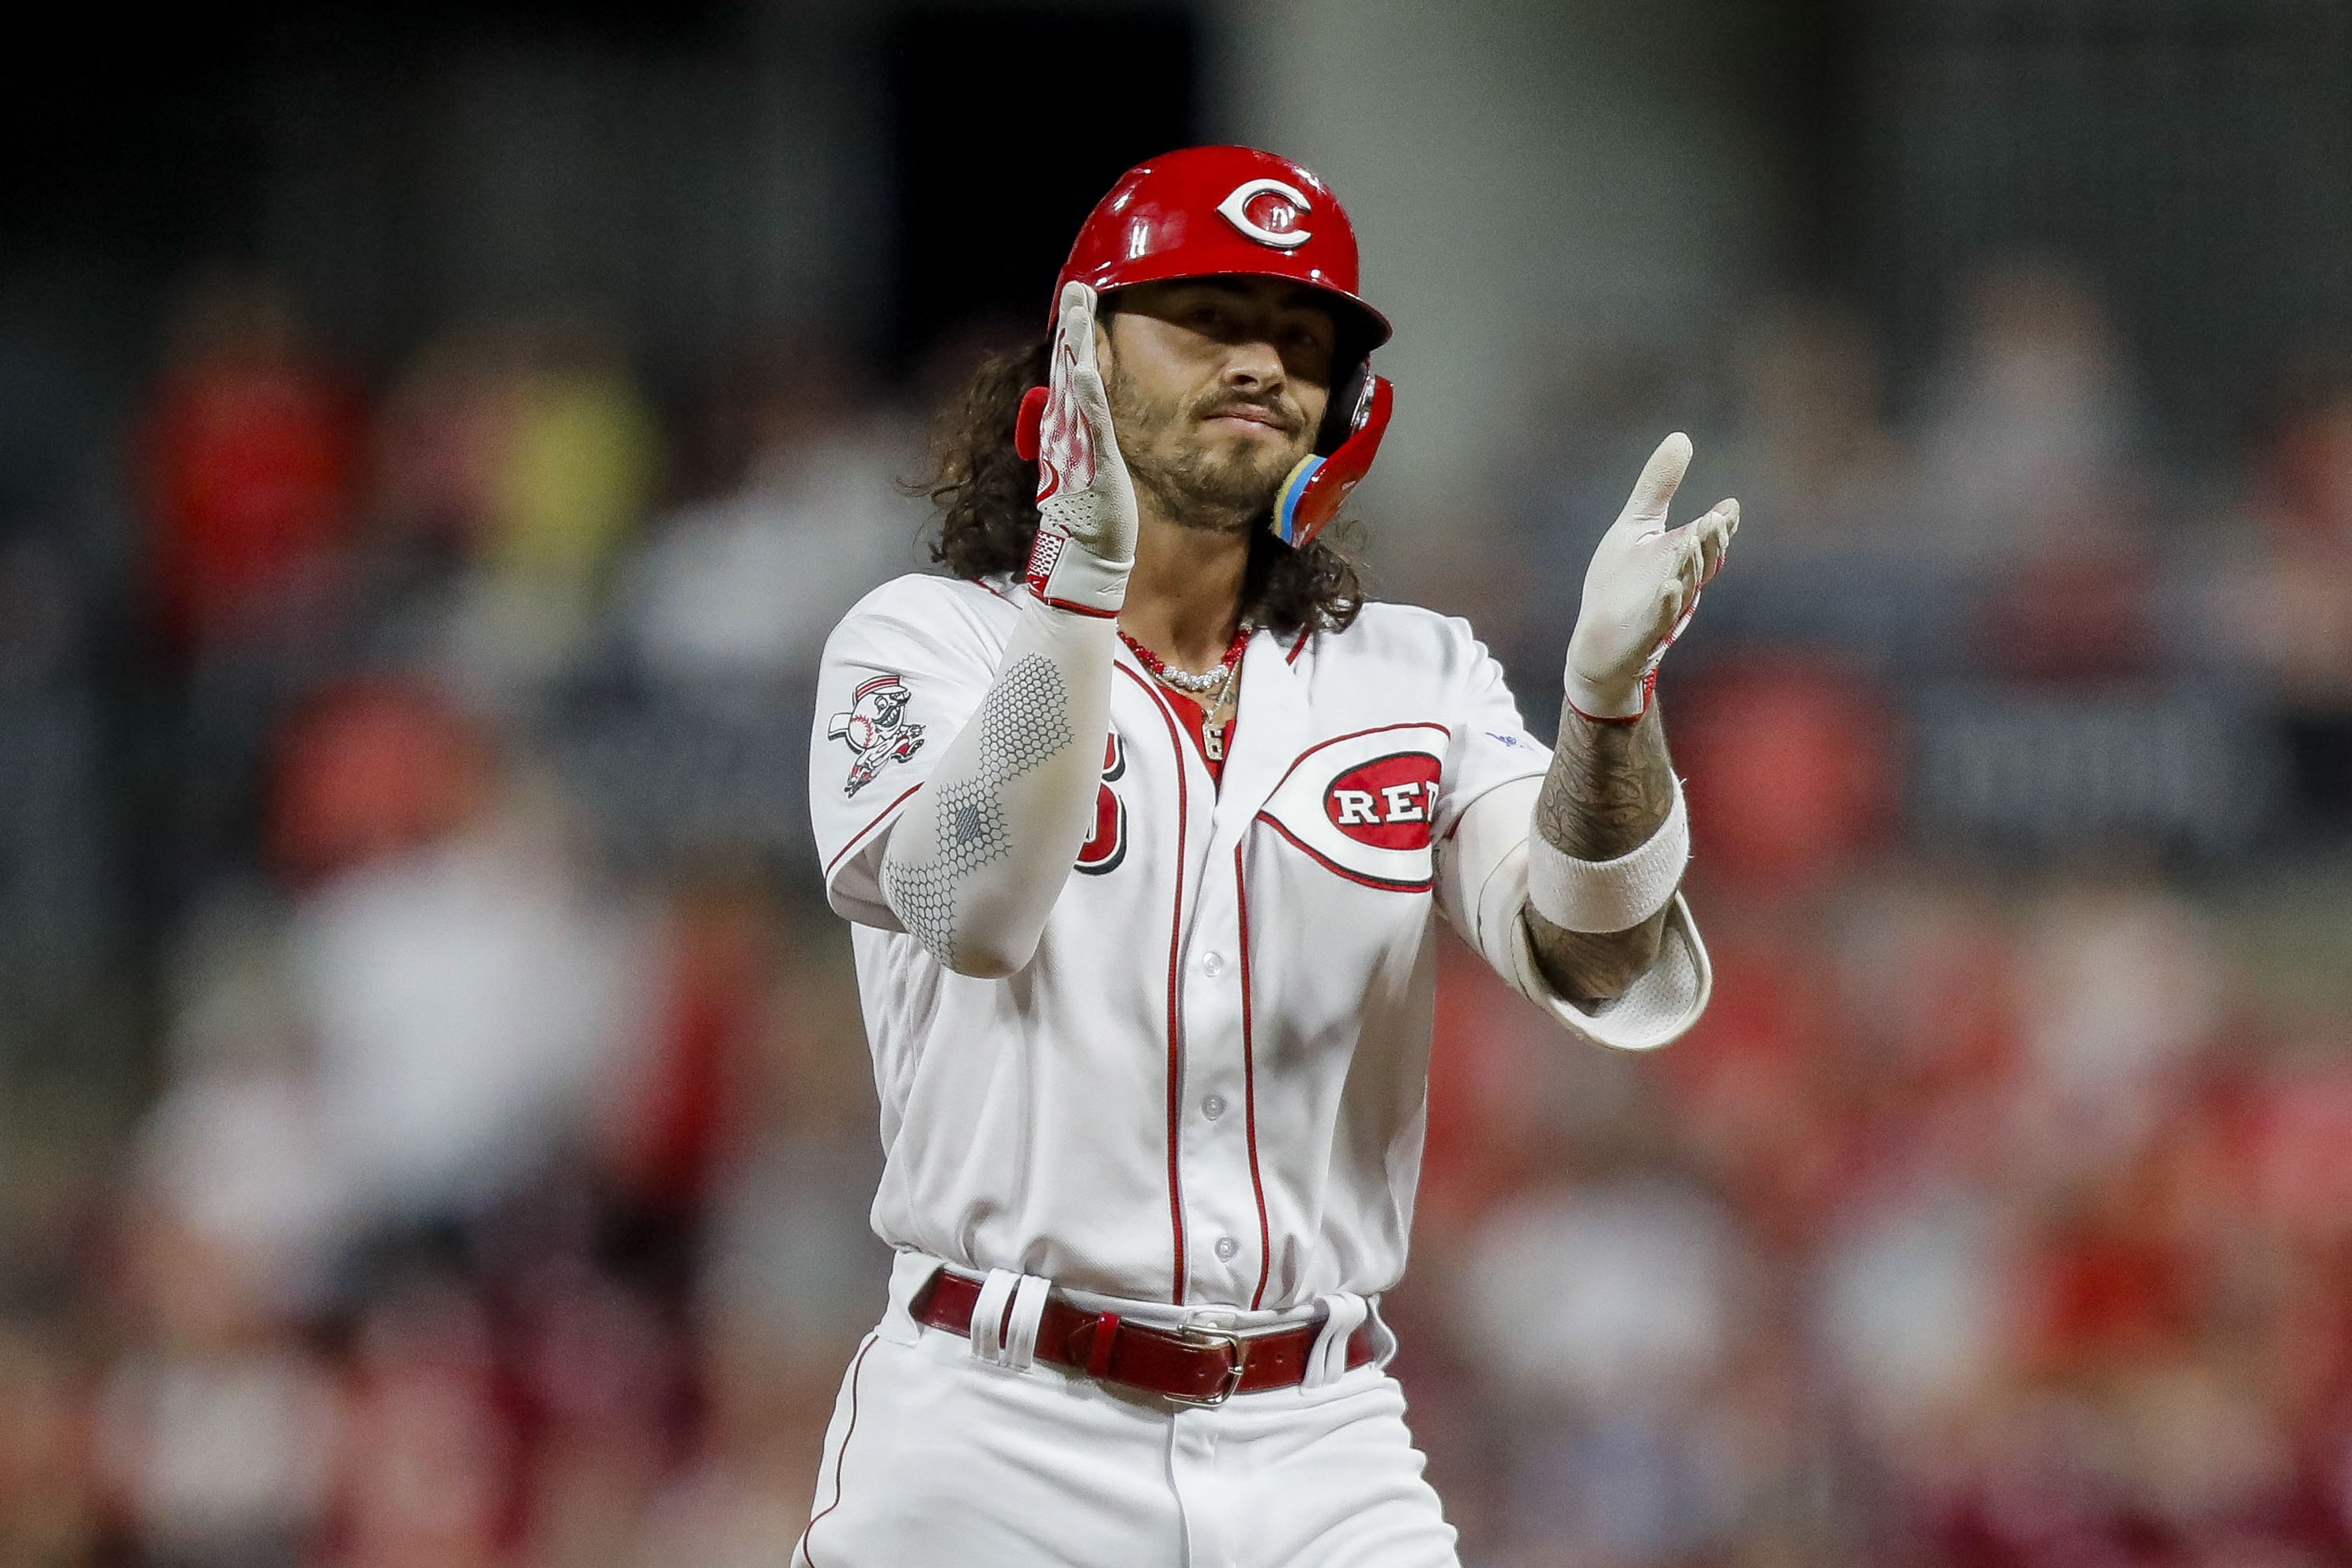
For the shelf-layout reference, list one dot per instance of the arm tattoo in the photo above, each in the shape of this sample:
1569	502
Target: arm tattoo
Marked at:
1024	720
1610	787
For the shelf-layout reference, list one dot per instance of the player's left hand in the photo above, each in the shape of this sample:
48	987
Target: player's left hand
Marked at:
1642	589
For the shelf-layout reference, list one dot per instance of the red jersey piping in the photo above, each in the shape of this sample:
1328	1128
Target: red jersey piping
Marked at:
1249	1090
1175	965
841	1456
1386	884
1354	734
880	817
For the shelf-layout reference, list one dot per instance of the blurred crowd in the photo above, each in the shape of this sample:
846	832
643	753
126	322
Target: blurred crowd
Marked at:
487	1183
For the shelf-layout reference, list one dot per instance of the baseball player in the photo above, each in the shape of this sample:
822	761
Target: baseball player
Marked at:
1144	818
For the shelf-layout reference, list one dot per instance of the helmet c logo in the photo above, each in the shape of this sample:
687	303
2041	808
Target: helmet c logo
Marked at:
1234	210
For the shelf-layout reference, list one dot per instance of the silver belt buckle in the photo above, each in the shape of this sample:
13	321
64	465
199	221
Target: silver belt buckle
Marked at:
1206	1338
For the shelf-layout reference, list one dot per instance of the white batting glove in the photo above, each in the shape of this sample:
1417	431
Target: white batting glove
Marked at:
1086	504
1641	589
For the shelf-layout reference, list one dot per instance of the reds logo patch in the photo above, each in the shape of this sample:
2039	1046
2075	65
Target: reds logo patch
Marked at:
1364	804
1386	802
876	730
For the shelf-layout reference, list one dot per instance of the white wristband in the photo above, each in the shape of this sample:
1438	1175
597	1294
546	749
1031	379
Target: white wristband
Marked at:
1598	896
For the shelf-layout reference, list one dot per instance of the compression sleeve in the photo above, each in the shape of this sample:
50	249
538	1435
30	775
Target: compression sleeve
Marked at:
976	859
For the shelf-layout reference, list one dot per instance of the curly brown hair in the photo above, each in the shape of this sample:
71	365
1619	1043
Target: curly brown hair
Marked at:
986	492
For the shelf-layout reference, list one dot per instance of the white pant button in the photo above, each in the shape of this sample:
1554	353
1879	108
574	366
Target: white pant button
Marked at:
1214	1107
1212	963
1226	1248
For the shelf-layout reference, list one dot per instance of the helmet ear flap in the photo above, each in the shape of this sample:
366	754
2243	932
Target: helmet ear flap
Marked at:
1028	423
1345	413
1316	490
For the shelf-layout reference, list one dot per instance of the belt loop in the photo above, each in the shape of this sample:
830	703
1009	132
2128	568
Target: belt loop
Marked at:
1343	1314
988	1314
1020	1349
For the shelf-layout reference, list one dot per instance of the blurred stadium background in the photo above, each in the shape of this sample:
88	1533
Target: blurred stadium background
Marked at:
434	1127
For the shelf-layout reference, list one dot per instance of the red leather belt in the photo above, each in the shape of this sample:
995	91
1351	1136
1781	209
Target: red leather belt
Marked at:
1189	1367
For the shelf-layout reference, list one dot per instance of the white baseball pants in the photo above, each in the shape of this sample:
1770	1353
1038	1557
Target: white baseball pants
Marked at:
936	1455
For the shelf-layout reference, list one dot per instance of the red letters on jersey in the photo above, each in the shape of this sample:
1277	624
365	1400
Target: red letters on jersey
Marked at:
1105	843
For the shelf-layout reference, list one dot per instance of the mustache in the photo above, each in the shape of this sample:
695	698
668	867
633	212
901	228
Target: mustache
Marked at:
1281	414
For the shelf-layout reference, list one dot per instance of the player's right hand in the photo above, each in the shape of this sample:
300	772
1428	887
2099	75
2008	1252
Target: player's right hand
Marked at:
1642	589
1085	502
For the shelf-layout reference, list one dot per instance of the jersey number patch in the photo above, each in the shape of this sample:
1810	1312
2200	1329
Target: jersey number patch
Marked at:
1106	844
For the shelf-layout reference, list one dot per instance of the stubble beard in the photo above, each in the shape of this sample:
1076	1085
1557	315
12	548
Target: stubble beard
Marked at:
1187	484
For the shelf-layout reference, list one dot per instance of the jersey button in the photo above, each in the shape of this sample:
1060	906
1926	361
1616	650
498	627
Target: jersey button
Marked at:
1212	963
1226	1248
1214	1107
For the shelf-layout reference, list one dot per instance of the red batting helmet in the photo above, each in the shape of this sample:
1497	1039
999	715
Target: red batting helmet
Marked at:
1209	211
1222	212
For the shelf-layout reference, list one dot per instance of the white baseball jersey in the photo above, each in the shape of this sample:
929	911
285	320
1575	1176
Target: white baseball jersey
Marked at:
1209	1084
